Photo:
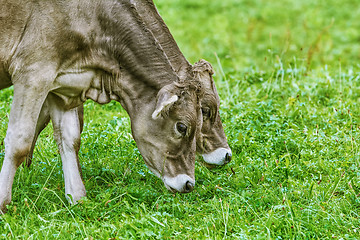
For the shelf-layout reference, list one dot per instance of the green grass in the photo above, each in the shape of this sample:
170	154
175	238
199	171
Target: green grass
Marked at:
288	76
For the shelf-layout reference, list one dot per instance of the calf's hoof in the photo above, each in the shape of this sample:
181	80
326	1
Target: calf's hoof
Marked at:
75	198
3	204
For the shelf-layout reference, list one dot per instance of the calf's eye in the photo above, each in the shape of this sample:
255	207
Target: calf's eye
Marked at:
181	128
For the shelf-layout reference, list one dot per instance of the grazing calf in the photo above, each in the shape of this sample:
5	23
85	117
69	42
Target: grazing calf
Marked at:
211	141
58	54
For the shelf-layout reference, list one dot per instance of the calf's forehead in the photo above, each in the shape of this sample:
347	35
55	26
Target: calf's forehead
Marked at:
188	108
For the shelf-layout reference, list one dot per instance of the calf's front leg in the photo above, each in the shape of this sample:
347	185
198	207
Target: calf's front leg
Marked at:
27	103
43	120
67	125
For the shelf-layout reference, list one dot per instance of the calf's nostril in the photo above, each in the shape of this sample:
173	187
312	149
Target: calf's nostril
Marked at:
189	186
227	158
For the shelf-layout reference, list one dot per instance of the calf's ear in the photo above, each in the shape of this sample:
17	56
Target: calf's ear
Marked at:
164	101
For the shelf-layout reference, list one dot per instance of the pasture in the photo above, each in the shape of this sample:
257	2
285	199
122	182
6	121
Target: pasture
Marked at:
288	76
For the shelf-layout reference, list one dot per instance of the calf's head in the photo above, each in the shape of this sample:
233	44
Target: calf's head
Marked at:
211	141
165	132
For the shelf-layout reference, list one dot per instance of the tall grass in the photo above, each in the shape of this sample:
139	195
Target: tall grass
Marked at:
288	77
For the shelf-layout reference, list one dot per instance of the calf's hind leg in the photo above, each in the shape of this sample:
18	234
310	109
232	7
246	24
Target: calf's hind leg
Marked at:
67	130
27	103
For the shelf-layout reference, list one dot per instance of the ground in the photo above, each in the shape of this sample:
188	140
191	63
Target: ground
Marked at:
288	76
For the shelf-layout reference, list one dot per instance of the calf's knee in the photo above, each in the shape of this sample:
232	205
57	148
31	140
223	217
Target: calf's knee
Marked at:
17	148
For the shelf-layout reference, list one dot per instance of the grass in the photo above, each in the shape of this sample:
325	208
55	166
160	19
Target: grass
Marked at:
288	76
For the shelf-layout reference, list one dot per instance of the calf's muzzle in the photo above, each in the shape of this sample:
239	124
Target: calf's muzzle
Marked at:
220	156
182	183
